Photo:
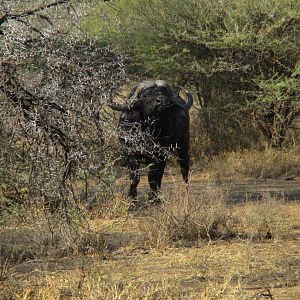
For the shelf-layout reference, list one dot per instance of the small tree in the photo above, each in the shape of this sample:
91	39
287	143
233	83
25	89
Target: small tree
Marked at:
276	105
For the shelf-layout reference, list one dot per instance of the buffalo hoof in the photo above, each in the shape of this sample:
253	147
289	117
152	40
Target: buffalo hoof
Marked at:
154	199
132	194
134	206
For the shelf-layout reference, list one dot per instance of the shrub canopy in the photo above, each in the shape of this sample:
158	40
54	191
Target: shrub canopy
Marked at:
246	52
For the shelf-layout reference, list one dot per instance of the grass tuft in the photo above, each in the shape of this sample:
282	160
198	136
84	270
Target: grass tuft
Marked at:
183	218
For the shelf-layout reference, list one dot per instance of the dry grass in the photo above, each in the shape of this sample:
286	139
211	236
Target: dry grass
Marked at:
81	285
195	246
115	207
184	219
267	218
216	271
39	235
269	163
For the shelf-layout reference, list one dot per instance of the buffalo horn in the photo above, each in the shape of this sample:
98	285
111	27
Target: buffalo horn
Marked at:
117	106
189	102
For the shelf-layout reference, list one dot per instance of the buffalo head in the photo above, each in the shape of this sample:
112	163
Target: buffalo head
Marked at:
152	97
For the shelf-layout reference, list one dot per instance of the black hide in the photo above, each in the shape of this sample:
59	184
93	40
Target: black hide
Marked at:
154	123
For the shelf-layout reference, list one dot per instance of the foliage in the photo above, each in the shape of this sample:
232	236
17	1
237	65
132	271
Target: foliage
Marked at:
277	104
233	53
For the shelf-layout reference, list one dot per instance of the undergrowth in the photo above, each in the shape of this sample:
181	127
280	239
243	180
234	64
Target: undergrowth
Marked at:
185	219
269	163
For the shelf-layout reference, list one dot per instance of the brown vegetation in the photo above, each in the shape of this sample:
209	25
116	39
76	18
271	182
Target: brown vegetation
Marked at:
269	163
194	246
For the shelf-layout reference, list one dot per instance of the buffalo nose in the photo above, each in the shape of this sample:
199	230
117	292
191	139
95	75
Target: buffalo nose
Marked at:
162	101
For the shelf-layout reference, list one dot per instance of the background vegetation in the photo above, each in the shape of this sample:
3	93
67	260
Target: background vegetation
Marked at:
241	58
63	213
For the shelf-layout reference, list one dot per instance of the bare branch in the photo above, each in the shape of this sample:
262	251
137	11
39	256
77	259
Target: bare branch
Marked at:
29	12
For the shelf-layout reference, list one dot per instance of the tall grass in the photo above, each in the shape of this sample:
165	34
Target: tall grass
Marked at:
184	219
269	163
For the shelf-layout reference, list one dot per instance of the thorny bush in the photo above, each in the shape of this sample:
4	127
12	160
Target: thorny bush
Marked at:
54	84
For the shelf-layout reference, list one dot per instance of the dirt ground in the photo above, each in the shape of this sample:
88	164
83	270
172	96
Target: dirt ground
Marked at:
242	189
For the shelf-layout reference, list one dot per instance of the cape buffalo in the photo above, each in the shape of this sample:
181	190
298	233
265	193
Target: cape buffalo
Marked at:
153	122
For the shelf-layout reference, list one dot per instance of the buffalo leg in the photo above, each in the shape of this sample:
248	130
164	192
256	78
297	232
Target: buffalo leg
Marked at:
133	166
155	175
184	161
